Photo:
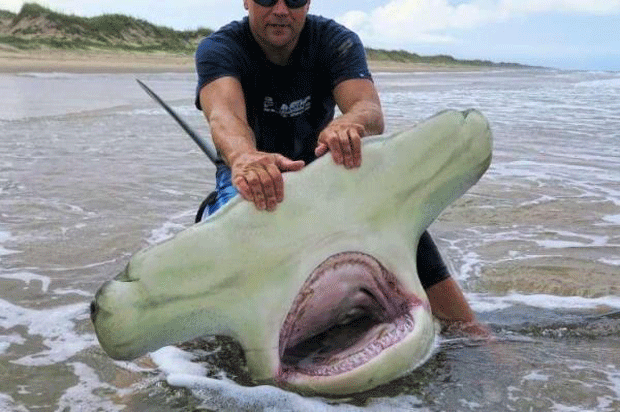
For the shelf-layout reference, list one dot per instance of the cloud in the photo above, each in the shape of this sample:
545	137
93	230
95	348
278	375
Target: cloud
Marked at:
596	7
432	21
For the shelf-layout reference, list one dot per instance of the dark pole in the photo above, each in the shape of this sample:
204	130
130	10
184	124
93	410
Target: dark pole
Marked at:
204	146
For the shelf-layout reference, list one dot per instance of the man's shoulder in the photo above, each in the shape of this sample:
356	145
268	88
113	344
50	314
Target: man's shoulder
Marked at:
327	34
324	25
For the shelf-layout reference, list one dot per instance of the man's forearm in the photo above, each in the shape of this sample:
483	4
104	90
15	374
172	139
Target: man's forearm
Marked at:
366	113
231	136
223	105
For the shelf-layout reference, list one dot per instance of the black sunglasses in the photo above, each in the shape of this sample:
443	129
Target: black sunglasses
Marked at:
291	4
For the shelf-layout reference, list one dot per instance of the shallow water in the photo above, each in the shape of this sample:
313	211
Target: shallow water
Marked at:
92	171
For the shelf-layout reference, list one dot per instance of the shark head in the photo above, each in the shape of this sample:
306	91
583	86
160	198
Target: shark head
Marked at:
323	293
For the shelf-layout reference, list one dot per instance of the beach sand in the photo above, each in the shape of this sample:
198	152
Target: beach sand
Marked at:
13	60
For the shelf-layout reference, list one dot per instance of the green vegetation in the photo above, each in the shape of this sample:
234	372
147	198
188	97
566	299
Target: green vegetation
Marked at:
36	27
402	56
5	14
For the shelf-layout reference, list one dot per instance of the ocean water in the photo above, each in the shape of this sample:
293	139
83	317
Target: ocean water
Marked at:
91	171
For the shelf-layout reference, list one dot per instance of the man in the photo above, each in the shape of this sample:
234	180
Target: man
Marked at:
268	86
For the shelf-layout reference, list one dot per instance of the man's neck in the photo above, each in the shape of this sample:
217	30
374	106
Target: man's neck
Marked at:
278	57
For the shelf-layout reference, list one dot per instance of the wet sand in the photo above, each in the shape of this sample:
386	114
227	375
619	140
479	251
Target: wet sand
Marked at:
13	60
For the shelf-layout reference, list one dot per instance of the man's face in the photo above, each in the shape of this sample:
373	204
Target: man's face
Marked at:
276	27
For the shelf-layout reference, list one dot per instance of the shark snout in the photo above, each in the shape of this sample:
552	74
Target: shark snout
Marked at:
123	276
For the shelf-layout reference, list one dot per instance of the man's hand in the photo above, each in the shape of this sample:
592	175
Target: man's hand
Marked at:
258	177
344	140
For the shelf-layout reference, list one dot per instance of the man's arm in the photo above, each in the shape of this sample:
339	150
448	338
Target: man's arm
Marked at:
256	175
359	103
449	305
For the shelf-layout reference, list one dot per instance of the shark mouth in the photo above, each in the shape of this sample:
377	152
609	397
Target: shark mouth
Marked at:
349	310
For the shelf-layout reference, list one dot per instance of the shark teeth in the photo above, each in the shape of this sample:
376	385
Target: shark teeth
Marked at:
400	329
350	309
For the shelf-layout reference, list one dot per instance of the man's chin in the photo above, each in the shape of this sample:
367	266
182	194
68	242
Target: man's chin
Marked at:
279	36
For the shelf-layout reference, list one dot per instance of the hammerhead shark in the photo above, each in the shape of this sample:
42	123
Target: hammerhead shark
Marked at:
322	293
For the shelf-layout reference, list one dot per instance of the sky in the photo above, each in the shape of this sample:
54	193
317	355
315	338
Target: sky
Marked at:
566	34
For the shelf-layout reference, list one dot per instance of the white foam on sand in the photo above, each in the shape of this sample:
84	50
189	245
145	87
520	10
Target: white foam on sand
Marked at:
7	340
164	232
7	403
56	326
610	262
609	378
172	361
27	278
486	303
536	375
73	292
614	219
613	83
571	240
85	394
5	237
223	394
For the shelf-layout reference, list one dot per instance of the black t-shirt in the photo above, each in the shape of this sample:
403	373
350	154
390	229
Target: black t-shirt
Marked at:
287	106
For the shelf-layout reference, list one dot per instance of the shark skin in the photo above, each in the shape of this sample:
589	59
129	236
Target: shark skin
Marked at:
332	269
